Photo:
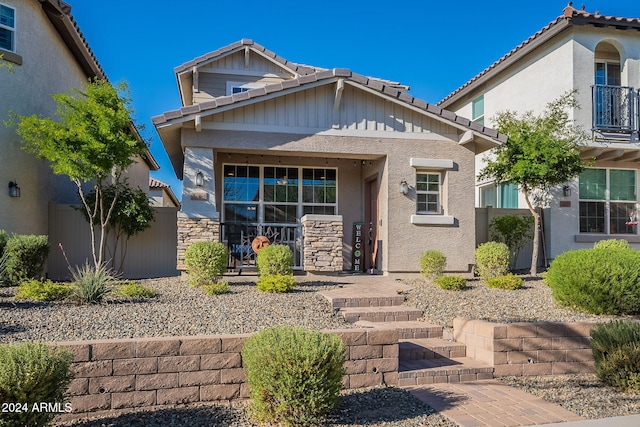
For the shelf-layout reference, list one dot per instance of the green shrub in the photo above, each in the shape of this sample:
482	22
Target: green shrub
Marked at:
294	375
451	283
3	241
92	284
276	283
510	282
43	290
32	373
612	244
432	264
616	352
205	262
275	260
217	288
135	290
492	260
599	281
512	230
25	257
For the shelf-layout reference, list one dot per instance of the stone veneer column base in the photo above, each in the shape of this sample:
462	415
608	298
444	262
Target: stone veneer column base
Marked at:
191	230
322	236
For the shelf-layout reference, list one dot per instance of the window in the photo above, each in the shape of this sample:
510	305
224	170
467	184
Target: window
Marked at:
503	196
428	193
477	110
607	201
277	194
7	28
239	87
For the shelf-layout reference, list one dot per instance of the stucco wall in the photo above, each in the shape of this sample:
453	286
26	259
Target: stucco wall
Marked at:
402	242
47	68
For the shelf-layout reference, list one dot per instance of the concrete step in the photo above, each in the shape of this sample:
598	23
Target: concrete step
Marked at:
442	370
367	295
430	348
406	330
381	314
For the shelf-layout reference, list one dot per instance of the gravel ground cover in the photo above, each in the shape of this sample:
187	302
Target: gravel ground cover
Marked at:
177	310
181	310
374	407
532	303
582	394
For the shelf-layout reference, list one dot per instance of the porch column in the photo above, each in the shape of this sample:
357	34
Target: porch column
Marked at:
322	236
198	220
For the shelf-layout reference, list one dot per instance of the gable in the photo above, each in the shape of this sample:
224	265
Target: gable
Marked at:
312	111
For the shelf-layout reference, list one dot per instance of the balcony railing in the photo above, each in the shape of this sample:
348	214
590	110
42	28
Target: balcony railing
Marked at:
615	109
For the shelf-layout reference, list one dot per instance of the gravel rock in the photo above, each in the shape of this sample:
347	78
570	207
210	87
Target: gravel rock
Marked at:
532	303
177	310
373	407
582	394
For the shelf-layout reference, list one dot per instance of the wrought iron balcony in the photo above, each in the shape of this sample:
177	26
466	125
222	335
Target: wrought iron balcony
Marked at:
615	109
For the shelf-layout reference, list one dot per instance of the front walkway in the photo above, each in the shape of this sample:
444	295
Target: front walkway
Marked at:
490	403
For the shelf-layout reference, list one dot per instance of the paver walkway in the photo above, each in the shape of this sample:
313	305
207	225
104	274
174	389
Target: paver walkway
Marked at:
490	403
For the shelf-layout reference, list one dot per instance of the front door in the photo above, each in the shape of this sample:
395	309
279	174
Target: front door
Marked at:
371	224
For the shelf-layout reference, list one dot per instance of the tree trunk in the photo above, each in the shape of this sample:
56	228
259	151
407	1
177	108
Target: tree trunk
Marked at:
536	234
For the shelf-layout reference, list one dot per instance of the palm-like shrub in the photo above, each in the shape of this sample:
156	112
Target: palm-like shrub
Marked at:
92	284
294	375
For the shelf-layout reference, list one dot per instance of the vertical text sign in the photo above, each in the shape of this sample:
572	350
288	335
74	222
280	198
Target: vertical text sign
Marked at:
358	248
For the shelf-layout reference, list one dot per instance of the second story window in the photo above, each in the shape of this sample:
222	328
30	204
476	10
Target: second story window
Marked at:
239	87
477	110
7	28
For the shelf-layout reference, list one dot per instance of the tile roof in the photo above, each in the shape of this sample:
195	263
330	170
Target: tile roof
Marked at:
570	16
59	13
369	82
156	183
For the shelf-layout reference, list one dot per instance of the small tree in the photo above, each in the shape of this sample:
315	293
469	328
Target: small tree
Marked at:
512	230
541	152
94	141
131	215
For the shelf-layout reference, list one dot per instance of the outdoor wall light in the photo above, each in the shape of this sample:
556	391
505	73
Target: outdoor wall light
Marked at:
404	187
566	191
199	179
14	190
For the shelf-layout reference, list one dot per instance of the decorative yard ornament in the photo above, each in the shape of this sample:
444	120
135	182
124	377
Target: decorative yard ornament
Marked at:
259	243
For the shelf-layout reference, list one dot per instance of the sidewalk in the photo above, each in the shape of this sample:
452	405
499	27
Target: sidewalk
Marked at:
491	403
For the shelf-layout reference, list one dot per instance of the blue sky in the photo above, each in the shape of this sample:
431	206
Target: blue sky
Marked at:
432	46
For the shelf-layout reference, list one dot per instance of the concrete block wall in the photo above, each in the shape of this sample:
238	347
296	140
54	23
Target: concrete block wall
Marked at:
540	348
112	375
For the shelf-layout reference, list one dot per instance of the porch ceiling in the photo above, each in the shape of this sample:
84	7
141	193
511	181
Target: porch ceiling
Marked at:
612	152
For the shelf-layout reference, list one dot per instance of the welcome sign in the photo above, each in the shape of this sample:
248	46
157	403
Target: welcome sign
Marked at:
358	248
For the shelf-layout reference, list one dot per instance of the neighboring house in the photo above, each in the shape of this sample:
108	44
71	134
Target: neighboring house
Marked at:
49	55
161	194
352	172
599	56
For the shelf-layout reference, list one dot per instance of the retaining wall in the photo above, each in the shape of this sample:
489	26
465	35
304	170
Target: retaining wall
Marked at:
541	348
147	372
